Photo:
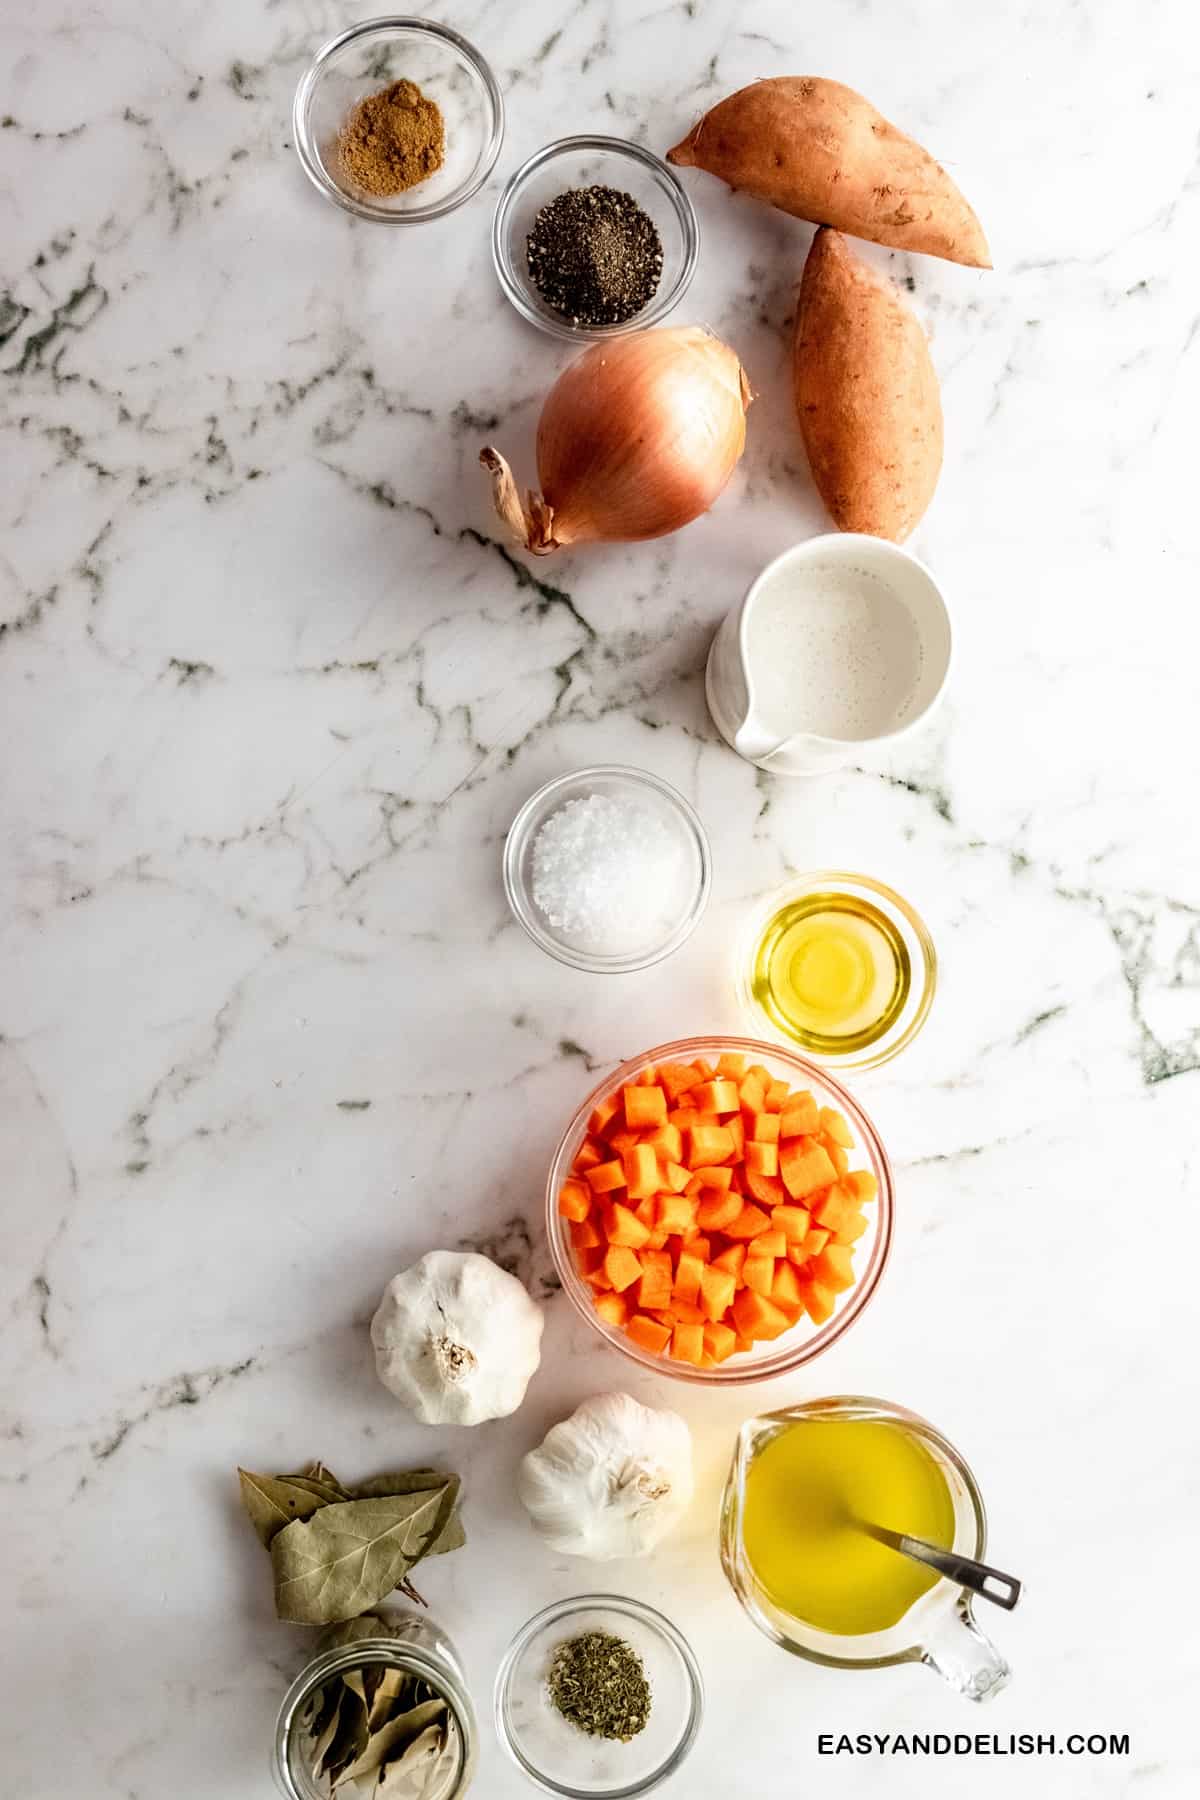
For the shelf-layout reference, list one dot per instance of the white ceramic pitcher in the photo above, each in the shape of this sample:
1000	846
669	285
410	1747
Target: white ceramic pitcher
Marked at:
730	680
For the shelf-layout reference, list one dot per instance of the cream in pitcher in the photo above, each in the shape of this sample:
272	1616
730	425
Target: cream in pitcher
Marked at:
841	643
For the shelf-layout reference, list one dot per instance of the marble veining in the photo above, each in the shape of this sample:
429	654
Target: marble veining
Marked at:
272	685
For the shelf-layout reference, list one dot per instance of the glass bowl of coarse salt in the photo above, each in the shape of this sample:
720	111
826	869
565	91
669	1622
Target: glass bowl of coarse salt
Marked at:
607	869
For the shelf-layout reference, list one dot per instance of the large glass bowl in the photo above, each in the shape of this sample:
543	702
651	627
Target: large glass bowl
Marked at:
805	1340
576	162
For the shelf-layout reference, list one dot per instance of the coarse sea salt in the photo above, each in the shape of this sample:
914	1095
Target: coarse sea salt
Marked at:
610	872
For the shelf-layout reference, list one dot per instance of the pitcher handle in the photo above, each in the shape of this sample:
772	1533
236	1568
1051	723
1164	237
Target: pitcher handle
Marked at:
965	1657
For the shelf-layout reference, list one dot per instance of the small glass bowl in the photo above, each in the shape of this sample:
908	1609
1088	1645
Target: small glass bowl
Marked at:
557	1756
446	67
587	162
649	791
418	1647
804	1340
902	919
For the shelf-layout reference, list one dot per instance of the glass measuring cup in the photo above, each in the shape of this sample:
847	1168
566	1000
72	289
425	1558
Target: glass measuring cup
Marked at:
938	1629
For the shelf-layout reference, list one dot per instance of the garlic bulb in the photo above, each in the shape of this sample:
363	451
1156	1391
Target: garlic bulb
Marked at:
457	1339
609	1481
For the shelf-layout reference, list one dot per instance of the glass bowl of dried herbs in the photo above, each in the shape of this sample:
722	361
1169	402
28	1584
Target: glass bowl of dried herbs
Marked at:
599	1695
398	120
594	236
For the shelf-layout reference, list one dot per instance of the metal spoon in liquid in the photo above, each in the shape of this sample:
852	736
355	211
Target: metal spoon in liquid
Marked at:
979	1578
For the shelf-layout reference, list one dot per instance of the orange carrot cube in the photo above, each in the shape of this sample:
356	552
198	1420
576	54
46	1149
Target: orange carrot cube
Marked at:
648	1334
731	1259
677	1079
804	1167
719	1340
676	1213
688	1272
584	1234
605	1178
613	1308
717	1288
718	1211
687	1343
715	1096
587	1156
750	1222
793	1221
769	1243
574	1200
709	1144
731	1063
834	1268
864	1185
766	1128
819	1301
834	1125
762	1158
777	1093
758	1274
622	1267
603	1114
624	1228
641	1171
645	1107
801	1116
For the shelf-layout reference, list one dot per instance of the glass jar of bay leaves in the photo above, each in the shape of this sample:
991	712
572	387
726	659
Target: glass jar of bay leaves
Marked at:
410	1648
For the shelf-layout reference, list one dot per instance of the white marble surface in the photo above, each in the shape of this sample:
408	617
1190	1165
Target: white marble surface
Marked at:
270	690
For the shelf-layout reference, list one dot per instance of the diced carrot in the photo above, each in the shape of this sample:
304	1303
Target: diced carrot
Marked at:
623	1228
717	1288
752	1094
677	1079
864	1185
687	1343
587	1156
834	1125
819	1302
797	1255
715	1096
793	1221
759	1274
762	1158
707	1360
837	1156
622	1139
768	1190
666	1141
641	1172
676	1212
815	1241
777	1093
804	1167
656	1240
585	1235
731	1063
622	1267
604	1113
648	1334
717	1177
748	1224
688	1272
613	1308
709	1144
698	1244
801	1116
676	1177
648	1077
769	1243
605	1178
766	1128
851	1228
736	1126
834	1268
689	1311
598	1278
731	1259
645	1107
835	1208
589	1256
785	1289
656	1285
574	1201
737	1182
647	1211
719	1340
757	1317
718	1211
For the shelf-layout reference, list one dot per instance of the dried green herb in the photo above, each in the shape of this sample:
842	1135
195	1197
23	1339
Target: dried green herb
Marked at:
338	1551
597	1682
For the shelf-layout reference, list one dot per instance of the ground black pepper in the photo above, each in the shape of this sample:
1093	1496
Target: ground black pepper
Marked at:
597	1682
595	256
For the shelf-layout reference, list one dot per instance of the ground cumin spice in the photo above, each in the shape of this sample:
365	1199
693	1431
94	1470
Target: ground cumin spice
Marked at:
393	139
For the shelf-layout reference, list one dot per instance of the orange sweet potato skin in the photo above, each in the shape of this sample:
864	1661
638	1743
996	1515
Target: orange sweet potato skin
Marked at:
866	394
819	151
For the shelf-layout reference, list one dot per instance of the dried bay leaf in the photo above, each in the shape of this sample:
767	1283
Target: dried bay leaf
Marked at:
398	1734
419	1769
273	1501
351	1737
388	1689
345	1558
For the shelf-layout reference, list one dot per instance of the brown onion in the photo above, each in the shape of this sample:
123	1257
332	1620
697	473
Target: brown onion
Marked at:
636	438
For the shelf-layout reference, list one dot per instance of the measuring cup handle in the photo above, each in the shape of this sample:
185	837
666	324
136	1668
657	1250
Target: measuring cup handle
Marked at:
964	1657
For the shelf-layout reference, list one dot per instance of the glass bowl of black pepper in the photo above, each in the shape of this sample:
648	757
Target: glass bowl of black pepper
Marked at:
598	1696
594	236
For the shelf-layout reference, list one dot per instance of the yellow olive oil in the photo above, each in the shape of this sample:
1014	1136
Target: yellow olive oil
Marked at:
832	971
809	1492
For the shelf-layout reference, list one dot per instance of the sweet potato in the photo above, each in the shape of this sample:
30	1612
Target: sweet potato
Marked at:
819	151
866	394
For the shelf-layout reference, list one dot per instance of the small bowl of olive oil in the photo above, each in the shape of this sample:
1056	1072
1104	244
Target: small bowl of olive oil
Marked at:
840	965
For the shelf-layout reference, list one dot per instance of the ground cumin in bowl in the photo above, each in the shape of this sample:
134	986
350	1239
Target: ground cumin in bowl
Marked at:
398	120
